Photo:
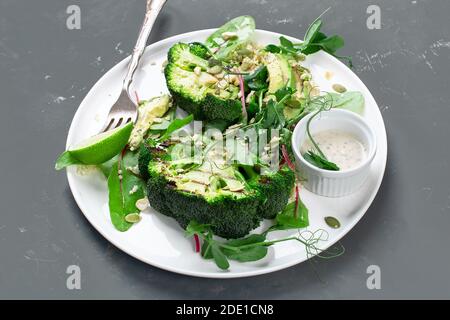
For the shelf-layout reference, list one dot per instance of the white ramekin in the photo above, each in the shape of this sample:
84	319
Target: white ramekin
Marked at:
334	183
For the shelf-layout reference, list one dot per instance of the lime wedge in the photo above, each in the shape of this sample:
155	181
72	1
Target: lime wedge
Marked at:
97	149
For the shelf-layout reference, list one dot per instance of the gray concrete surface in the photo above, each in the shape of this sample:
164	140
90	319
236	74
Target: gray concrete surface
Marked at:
46	70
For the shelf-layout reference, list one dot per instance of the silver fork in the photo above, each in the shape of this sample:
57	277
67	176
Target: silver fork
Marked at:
124	109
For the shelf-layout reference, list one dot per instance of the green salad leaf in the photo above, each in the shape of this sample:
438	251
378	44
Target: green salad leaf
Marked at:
124	190
257	80
175	125
242	28
314	40
289	219
246	252
349	100
320	161
66	159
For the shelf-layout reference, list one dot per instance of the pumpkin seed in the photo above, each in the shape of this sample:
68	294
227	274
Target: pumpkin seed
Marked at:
133	218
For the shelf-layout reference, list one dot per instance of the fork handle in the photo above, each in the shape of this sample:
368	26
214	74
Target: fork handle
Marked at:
152	11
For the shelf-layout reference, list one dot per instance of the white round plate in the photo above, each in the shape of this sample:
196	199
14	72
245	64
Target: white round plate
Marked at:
157	239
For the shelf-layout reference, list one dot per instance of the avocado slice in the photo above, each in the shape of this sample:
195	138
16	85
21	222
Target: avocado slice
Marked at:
280	72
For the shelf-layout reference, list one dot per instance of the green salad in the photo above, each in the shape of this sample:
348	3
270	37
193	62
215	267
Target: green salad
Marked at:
216	185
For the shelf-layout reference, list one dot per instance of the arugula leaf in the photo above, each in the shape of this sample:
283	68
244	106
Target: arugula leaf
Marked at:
243	27
273	116
284	93
66	159
122	201
319	161
257	80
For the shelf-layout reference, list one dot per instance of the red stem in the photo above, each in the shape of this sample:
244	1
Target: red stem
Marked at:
286	158
197	243
137	97
292	167
241	85
296	200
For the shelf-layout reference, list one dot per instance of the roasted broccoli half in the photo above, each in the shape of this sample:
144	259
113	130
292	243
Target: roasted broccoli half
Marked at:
233	199
199	89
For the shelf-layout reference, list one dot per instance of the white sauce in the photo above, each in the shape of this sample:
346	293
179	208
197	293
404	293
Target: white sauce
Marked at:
342	148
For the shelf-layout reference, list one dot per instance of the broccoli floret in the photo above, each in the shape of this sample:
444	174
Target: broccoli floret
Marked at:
197	91
213	194
200	50
181	55
143	160
276	189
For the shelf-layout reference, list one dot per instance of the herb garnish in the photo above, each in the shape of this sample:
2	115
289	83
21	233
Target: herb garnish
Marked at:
317	157
255	246
314	40
257	80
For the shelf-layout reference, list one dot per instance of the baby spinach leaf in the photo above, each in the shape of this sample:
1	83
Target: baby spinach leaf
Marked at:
66	159
243	27
219	257
251	248
350	100
288	220
106	167
253	253
206	249
123	193
251	239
